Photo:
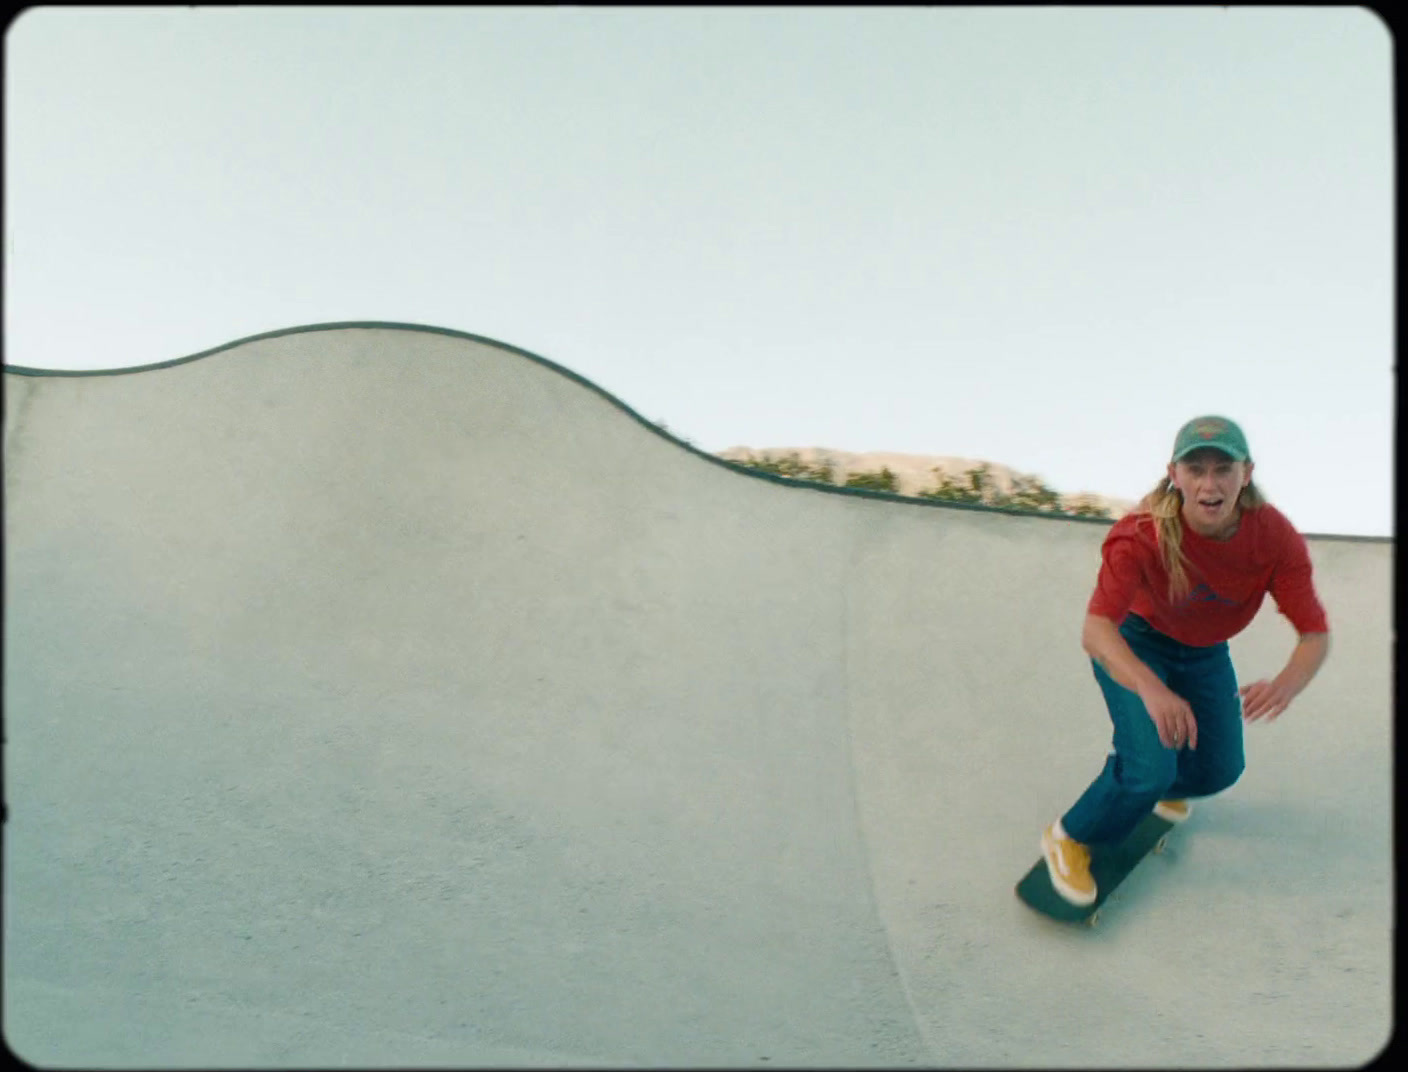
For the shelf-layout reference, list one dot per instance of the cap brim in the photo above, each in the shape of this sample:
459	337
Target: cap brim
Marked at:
1232	452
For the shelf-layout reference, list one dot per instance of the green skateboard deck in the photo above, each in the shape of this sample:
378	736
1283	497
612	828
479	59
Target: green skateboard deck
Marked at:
1109	865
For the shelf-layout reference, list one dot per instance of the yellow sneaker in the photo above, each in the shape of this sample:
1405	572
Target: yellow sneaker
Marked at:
1173	811
1068	864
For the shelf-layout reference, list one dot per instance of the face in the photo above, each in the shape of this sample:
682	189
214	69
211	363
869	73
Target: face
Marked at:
1210	482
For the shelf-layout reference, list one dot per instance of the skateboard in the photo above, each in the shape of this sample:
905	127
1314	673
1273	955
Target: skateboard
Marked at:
1109	866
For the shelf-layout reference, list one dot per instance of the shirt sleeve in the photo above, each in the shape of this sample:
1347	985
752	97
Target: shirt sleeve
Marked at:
1293	586
1121	572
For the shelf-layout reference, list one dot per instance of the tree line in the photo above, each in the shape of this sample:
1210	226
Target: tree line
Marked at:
977	485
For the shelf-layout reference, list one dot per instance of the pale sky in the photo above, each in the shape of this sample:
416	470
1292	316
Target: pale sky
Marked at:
1045	237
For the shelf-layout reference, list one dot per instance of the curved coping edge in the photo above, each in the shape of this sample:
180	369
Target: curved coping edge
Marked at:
809	485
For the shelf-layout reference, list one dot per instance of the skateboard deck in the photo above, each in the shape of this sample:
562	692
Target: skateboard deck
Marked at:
1109	865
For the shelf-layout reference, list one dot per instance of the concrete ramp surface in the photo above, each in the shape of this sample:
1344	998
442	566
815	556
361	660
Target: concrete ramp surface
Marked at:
387	696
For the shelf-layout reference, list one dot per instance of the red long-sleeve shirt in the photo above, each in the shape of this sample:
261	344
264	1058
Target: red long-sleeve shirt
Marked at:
1228	578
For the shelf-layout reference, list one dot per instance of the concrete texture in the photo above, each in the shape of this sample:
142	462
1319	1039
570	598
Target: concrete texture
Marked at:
381	695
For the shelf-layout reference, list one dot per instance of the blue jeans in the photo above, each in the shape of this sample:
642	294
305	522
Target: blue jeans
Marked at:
1140	771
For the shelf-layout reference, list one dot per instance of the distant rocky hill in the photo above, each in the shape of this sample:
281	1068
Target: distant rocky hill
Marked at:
915	472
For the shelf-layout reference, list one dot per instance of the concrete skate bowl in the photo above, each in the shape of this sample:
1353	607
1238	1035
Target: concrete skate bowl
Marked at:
388	696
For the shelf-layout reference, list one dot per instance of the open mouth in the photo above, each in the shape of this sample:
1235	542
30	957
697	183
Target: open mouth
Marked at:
1211	505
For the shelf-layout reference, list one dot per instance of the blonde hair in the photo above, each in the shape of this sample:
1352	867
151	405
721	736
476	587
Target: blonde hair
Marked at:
1165	506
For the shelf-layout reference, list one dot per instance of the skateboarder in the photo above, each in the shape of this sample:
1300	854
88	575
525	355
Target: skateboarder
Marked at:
1182	573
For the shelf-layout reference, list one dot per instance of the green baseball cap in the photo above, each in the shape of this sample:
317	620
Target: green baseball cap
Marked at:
1216	432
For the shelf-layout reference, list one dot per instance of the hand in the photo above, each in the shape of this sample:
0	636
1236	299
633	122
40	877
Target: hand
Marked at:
1265	699
1173	716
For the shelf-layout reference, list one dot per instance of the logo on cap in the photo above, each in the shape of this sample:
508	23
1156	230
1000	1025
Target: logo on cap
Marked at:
1210	429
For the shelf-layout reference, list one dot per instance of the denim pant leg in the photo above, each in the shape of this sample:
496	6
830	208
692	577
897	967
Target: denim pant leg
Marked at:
1140	771
1206	679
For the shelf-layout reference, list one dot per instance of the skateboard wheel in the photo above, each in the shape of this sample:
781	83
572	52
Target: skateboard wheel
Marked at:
1161	843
